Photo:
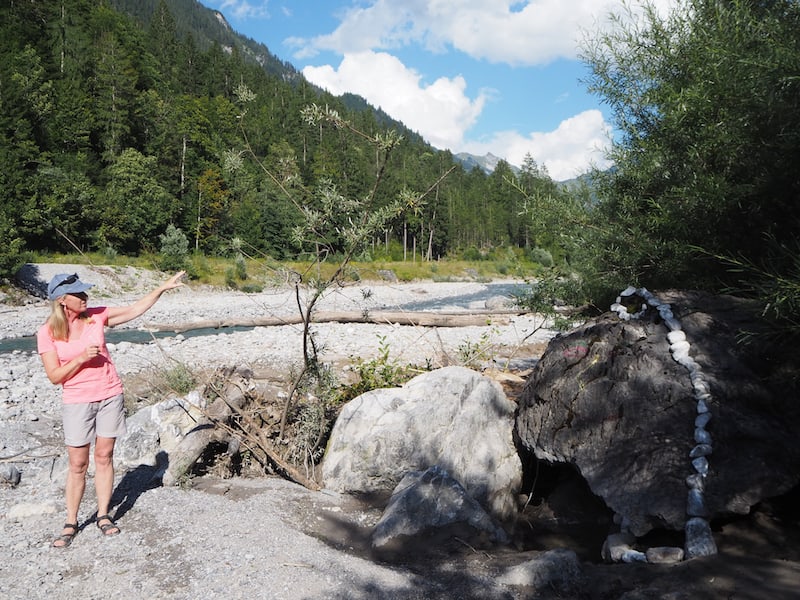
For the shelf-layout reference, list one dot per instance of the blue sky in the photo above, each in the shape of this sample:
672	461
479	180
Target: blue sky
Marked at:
477	76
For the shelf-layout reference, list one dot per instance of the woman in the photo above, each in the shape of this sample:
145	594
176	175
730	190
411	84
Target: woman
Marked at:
73	350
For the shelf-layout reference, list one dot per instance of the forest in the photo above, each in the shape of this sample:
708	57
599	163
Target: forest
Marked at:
121	121
113	129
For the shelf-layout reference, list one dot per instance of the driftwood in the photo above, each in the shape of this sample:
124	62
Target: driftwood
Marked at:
265	451
192	446
215	427
379	317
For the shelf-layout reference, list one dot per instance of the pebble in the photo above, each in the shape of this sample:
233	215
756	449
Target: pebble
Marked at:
700	465
664	555
695	504
700	450
701	436
699	539
702	419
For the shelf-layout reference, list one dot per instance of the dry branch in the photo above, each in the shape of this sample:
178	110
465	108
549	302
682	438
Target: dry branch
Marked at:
192	446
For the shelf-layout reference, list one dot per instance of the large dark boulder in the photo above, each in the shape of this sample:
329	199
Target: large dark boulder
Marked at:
609	399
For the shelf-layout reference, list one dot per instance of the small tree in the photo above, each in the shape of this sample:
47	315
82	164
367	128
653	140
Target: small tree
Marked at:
174	249
332	224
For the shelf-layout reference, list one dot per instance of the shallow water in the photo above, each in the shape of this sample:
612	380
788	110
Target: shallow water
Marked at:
473	301
134	336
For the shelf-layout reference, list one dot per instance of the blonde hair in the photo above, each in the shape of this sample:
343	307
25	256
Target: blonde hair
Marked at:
57	321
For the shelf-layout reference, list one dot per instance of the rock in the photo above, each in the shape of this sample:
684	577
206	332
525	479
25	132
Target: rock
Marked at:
615	546
387	275
558	570
30	509
10	475
499	302
622	410
428	500
664	555
695	481
695	504
452	417
699	539
157	427
701	450
702	419
633	556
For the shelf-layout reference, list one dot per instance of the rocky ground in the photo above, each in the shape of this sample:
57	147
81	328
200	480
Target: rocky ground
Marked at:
269	538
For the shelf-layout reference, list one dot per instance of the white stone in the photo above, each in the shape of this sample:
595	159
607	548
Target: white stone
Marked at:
680	355
31	509
634	556
696	504
702	420
616	545
701	450
699	540
700	465
676	336
696	481
664	555
682	346
689	363
701	436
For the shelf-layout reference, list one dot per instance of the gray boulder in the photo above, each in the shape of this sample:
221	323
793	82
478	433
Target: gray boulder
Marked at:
428	502
609	399
452	417
158	427
558	570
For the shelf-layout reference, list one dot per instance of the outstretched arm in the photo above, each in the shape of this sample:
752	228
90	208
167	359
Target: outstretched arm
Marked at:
122	314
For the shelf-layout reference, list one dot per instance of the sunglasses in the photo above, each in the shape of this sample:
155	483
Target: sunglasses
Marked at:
68	281
80	295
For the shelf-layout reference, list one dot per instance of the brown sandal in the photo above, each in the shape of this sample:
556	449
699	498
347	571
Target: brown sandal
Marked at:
108	527
65	539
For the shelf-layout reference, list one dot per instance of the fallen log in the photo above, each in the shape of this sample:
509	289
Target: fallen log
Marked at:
377	317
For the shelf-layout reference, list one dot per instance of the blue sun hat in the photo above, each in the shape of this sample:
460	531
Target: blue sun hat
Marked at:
64	283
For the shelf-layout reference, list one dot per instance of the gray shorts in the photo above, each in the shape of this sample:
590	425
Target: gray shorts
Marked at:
84	421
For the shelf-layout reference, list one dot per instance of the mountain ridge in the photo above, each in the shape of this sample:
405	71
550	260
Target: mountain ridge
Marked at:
210	25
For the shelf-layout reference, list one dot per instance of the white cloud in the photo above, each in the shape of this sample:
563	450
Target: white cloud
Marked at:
577	144
441	112
242	9
500	31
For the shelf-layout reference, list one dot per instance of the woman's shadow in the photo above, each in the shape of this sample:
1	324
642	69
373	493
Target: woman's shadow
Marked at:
136	482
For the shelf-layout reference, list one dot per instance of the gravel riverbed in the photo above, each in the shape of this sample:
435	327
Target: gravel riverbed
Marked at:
233	538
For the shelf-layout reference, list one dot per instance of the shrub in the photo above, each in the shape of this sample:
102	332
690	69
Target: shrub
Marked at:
174	249
542	257
376	373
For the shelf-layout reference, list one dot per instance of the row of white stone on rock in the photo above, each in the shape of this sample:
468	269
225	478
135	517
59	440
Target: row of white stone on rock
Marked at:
699	540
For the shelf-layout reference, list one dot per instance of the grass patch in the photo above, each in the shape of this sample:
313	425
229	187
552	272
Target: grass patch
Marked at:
216	271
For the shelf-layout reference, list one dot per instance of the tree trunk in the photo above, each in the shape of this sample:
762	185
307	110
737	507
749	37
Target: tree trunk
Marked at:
378	317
